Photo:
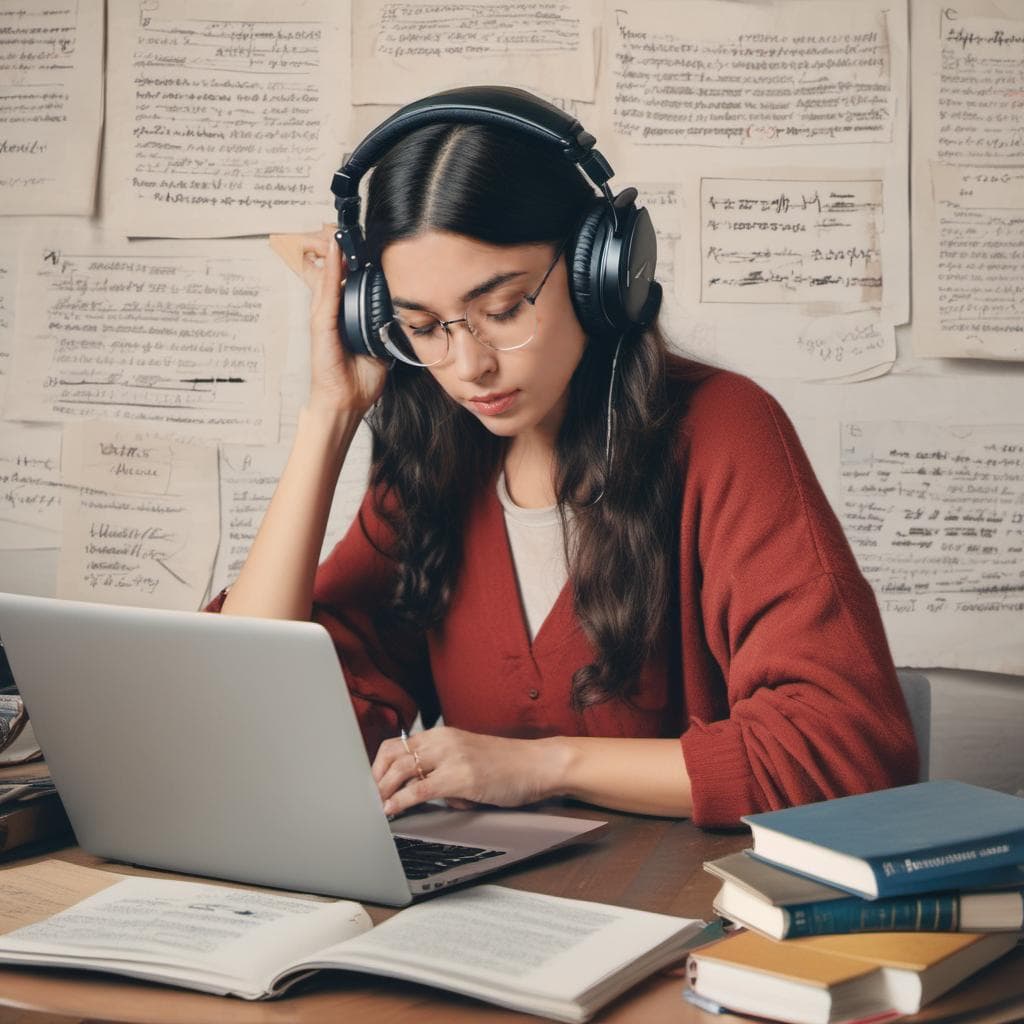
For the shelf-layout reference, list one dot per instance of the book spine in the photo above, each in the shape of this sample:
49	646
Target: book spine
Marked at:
841	917
917	867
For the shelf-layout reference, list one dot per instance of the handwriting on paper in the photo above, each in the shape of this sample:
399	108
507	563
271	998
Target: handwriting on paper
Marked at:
142	528
791	241
226	118
981	89
50	67
186	341
935	515
684	74
403	50
30	486
980	222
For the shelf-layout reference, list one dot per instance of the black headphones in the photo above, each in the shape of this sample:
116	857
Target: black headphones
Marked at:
612	257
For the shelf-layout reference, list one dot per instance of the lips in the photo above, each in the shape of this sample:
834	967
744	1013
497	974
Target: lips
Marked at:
495	403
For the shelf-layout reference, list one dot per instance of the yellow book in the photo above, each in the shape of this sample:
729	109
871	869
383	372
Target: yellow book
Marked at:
837	977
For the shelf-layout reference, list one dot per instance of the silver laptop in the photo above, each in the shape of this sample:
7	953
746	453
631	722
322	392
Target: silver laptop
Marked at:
228	747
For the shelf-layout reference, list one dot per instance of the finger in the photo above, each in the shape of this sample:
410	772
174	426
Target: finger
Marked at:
387	752
401	771
456	803
418	791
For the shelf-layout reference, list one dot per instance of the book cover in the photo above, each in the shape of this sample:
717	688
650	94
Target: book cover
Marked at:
931	835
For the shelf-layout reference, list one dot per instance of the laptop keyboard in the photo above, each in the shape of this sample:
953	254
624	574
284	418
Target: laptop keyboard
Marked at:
421	858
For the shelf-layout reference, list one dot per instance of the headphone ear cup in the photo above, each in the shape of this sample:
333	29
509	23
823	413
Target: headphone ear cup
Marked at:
378	304
584	271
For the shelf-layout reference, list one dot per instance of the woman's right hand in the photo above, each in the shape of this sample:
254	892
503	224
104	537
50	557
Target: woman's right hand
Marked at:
340	381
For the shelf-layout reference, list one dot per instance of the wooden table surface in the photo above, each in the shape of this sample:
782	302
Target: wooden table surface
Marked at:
645	863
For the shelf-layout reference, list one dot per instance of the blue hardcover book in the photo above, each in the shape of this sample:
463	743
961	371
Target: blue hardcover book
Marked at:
932	835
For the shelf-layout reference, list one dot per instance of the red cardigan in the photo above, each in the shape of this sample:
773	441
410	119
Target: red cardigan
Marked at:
776	677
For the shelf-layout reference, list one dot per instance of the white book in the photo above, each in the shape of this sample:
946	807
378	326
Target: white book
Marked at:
547	955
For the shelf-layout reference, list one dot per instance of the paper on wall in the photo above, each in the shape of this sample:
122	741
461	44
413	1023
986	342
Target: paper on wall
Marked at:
187	336
248	479
141	528
935	515
729	74
401	51
968	179
224	121
51	106
30	486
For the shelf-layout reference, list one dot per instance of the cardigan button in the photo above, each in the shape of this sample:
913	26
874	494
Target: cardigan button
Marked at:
534	694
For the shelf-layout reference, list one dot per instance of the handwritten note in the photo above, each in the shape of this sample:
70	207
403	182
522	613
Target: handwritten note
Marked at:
141	334
791	241
979	289
935	515
222	124
744	75
30	486
981	89
402	51
142	528
51	103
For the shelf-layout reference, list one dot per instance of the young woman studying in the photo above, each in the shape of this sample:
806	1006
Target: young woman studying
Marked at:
609	569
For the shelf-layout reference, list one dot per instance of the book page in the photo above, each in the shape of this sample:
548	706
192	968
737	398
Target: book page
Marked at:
141	525
402	51
188	336
540	946
51	105
206	929
224	120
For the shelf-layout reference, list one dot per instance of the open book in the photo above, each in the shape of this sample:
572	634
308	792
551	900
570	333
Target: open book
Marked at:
556	957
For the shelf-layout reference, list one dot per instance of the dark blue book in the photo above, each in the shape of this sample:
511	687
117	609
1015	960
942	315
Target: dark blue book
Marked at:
932	835
784	905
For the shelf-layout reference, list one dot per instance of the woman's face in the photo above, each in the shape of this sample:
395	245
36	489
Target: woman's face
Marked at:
519	393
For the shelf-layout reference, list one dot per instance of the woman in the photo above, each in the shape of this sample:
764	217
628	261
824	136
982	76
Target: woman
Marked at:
645	605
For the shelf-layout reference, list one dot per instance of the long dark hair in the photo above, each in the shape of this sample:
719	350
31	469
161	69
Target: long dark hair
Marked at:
430	456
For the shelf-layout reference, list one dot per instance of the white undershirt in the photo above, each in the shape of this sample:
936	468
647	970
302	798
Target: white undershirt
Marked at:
538	556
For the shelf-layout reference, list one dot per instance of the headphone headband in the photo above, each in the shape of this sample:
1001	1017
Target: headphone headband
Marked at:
497	105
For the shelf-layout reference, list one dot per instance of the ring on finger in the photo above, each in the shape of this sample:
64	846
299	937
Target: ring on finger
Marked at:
419	764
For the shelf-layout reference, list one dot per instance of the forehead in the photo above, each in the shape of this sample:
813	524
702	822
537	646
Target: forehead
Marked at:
436	268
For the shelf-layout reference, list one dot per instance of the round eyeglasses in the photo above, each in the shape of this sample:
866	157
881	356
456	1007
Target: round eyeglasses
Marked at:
503	319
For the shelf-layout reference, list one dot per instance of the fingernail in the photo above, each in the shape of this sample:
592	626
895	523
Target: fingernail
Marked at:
389	808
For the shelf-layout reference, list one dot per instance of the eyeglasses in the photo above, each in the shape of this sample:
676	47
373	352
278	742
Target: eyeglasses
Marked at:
504	319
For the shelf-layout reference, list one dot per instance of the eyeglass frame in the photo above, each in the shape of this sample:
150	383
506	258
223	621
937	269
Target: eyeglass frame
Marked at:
530	297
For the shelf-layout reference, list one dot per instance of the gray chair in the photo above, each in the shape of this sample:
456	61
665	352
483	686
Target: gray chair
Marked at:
917	691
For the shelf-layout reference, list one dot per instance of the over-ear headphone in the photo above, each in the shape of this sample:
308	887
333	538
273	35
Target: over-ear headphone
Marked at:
612	257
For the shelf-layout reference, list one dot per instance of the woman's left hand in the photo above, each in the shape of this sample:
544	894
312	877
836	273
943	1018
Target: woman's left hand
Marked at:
464	768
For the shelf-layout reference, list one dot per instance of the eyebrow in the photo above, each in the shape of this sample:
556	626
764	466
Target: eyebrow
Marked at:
481	289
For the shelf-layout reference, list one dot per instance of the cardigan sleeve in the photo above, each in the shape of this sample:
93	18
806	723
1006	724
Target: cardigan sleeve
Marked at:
386	666
814	708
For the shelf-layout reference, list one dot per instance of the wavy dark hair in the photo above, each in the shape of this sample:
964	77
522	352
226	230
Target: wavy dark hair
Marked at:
620	521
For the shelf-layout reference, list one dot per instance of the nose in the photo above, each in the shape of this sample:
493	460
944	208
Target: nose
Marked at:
471	360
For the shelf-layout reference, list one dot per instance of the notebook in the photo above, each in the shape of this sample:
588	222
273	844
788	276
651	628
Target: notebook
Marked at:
228	747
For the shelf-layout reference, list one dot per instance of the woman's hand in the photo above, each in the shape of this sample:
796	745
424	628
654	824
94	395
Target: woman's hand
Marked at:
340	381
464	768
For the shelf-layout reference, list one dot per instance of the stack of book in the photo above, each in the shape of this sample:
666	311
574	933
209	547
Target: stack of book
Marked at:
868	905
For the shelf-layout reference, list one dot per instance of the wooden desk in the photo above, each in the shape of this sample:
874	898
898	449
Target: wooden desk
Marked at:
646	863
